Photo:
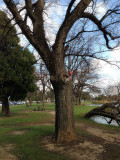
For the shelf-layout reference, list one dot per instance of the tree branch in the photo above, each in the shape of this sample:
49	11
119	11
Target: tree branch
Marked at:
40	44
12	7
29	9
103	29
69	8
68	22
109	12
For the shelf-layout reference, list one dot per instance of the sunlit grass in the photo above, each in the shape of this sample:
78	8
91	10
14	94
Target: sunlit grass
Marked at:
81	110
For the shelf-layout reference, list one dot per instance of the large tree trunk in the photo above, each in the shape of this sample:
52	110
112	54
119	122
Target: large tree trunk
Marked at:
64	119
5	107
63	89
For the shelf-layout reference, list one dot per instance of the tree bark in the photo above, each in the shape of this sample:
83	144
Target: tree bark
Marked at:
30	100
64	118
76	100
80	98
5	107
27	103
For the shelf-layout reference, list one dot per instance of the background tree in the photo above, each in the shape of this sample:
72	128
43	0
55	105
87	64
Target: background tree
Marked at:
36	96
29	99
117	94
78	59
16	70
102	98
86	96
54	55
50	95
43	81
85	79
112	92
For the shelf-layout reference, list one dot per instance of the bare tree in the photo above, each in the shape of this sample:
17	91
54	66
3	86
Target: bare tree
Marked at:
117	95
43	81
85	79
53	55
112	92
85	70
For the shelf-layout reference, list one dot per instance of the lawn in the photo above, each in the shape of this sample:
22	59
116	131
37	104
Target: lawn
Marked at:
26	130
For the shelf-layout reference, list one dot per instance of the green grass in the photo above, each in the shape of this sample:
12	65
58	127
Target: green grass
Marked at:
25	118
79	111
22	108
30	146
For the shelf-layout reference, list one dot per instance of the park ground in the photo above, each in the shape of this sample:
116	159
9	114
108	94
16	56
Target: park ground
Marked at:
28	135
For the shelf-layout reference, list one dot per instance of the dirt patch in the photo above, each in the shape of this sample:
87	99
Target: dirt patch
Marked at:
38	124
5	153
22	116
30	124
44	124
110	142
93	144
46	111
77	151
112	152
51	112
107	137
18	132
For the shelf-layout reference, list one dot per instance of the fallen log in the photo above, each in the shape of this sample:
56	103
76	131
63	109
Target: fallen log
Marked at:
107	110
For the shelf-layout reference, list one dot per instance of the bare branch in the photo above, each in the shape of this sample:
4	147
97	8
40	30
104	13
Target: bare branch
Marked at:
69	8
68	23
12	7
103	29
35	38
29	8
109	12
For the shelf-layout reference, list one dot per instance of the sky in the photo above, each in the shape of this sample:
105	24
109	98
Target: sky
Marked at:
110	73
